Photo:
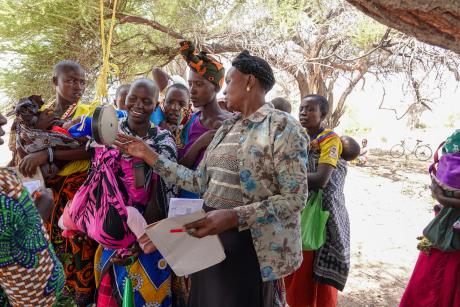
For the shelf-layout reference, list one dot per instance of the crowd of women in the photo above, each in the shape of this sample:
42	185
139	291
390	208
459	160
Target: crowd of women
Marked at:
251	162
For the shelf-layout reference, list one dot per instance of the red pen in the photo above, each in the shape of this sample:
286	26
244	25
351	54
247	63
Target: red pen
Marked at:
177	230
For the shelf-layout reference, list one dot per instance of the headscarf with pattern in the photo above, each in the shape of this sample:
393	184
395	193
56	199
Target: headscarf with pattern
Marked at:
452	144
203	64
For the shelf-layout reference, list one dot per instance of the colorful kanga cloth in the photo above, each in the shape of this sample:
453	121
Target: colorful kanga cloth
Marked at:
206	66
98	209
332	260
183	123
76	254
30	273
150	274
272	154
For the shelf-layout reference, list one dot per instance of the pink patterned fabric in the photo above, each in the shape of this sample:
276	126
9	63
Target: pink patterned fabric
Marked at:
105	295
98	208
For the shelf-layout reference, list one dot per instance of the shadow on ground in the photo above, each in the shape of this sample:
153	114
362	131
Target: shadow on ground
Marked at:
382	284
380	163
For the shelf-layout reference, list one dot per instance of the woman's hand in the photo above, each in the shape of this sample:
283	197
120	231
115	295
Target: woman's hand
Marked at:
43	199
128	259
438	193
30	163
71	123
146	244
213	223
436	190
135	147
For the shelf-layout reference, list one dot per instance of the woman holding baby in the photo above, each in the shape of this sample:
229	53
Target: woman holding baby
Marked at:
65	169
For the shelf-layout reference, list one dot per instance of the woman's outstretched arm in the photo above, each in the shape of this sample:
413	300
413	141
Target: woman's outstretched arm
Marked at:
193	181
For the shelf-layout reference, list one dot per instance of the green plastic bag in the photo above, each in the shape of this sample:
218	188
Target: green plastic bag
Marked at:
313	222
128	294
440	231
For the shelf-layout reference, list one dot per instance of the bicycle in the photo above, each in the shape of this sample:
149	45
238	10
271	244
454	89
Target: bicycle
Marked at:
421	152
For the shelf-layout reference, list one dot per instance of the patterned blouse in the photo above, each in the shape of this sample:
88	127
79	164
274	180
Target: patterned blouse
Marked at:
272	157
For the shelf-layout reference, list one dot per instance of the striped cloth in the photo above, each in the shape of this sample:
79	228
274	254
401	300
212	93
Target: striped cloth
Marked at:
224	189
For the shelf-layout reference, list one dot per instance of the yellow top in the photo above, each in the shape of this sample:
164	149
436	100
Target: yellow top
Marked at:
330	147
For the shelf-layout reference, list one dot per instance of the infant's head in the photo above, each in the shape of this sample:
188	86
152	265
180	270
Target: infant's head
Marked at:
350	148
28	113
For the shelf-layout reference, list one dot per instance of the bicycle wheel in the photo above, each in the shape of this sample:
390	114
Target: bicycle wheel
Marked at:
423	152
397	151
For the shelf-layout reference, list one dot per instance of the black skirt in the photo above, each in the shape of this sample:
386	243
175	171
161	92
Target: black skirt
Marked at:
236	281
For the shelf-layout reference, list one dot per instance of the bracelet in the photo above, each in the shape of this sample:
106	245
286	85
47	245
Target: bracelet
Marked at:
132	259
50	155
448	193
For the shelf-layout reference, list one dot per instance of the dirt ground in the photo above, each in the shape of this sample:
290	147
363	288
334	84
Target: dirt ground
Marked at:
389	204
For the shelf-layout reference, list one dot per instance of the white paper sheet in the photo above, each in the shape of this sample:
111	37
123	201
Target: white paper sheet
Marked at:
185	254
32	185
184	206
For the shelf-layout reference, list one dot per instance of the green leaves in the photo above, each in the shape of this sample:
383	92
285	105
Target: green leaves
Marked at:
39	34
366	33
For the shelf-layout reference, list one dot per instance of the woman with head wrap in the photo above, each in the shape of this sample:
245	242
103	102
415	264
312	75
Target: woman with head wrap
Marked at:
205	80
253	179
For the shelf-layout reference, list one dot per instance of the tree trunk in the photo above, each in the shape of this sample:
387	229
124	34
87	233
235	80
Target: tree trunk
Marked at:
433	22
315	84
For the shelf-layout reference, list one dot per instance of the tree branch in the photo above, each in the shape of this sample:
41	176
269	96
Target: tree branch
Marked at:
379	45
125	18
339	110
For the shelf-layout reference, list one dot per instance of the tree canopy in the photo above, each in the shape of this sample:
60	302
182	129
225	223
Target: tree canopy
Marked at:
313	44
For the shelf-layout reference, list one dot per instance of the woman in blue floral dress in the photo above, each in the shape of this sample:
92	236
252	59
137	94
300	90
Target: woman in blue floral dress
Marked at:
253	179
